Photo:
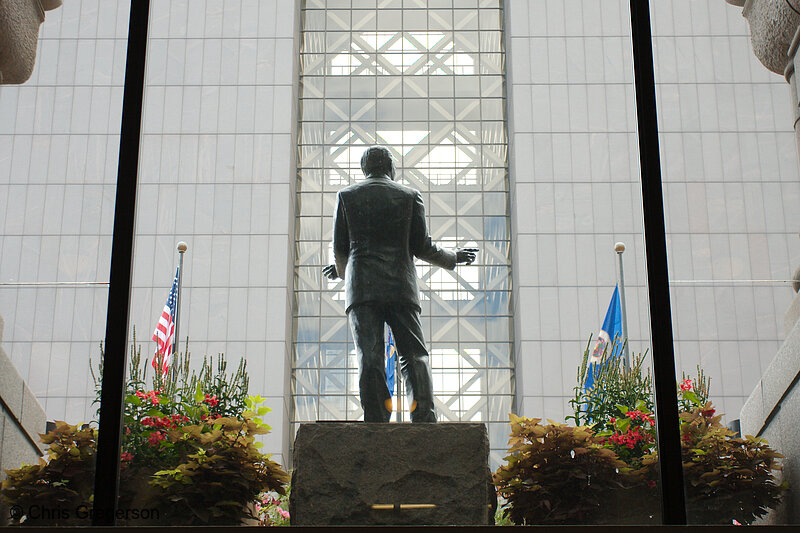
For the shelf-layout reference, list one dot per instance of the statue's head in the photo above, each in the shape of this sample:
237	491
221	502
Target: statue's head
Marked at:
377	160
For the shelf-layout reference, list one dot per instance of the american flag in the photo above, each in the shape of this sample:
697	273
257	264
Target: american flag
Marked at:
165	330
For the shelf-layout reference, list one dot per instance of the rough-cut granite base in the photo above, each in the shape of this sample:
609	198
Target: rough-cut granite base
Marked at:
341	469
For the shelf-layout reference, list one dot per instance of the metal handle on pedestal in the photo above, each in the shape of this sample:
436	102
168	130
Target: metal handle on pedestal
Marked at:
401	506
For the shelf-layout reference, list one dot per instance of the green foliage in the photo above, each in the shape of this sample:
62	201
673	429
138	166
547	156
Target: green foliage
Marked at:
726	477
189	448
693	392
64	481
614	384
557	474
221	472
631	434
545	480
501	517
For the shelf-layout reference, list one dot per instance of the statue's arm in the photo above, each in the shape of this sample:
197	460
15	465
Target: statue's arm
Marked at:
422	245
341	237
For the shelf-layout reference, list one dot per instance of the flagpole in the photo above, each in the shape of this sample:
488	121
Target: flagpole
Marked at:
620	249
397	380
182	247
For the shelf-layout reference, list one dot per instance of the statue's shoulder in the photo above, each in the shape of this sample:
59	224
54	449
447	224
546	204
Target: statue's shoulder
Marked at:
344	191
410	191
370	183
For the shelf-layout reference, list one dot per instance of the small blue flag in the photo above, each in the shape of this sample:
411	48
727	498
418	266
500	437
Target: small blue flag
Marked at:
611	330
391	354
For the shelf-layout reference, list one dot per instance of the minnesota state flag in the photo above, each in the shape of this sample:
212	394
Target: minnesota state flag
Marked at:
391	357
611	329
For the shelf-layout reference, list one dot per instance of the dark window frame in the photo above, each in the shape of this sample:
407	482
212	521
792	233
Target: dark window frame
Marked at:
113	386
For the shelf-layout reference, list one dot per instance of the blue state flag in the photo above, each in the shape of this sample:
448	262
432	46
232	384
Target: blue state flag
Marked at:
611	330
391	355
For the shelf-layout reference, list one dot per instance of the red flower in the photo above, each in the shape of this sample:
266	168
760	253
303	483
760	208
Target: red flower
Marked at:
164	422
651	484
150	396
612	420
125	456
155	438
686	384
708	413
211	400
179	419
686	437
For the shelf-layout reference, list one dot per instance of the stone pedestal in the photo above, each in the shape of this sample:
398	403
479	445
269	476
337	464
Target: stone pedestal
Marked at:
342	470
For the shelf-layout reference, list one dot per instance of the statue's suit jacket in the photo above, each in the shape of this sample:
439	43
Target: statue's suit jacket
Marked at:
379	227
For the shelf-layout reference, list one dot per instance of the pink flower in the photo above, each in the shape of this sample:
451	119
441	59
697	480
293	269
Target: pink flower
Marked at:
686	384
283	513
736	522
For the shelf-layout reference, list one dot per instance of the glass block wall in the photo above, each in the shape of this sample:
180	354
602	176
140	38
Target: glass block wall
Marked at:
426	79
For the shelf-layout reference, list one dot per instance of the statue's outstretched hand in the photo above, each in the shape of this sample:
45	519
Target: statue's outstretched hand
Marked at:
330	272
466	255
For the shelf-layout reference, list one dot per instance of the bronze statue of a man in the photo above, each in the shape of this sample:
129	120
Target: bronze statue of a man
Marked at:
379	228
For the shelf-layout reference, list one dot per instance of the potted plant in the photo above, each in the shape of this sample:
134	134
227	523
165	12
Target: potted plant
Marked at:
728	478
190	454
557	474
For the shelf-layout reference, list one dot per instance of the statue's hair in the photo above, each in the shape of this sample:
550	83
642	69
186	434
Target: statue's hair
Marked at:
377	159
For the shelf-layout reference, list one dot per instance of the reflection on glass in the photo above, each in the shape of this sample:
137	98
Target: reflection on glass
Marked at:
410	79
59	143
729	166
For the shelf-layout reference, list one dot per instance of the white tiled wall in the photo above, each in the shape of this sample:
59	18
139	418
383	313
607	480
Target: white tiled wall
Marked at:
730	175
216	171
